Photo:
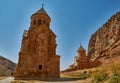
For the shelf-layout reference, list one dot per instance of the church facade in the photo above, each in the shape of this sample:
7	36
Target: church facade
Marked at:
37	56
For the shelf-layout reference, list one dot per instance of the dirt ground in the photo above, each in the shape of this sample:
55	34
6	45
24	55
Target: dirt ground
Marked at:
60	80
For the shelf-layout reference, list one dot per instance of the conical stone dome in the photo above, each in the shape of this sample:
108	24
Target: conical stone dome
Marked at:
81	48
42	12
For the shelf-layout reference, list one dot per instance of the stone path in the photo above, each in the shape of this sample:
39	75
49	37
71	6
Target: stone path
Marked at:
7	80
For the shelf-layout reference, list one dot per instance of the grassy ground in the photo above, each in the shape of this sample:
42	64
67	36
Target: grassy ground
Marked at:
1	78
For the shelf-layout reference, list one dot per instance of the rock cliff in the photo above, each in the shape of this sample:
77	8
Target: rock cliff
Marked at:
105	42
7	67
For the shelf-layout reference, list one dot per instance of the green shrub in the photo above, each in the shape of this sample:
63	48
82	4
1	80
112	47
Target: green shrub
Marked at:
100	77
114	79
116	70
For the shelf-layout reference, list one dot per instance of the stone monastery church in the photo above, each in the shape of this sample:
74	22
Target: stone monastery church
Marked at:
82	61
37	56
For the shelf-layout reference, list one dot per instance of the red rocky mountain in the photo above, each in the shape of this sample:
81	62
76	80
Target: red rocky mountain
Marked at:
105	42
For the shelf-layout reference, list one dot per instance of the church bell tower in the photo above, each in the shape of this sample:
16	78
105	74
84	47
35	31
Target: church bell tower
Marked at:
37	56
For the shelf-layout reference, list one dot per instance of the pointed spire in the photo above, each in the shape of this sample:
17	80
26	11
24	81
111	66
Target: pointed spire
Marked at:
80	48
42	5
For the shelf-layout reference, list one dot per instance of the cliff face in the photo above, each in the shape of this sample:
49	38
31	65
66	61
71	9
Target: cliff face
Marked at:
7	67
105	42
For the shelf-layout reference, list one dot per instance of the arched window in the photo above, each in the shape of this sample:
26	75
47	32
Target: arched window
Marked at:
39	22
34	22
44	21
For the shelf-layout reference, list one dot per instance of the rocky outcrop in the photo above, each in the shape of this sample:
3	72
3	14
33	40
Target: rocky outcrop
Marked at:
105	42
7	67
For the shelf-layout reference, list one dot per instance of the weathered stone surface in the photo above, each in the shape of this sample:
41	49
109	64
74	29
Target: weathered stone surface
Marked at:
105	42
7	67
37	56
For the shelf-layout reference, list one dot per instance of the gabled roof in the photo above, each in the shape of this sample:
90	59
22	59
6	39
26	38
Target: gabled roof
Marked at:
80	48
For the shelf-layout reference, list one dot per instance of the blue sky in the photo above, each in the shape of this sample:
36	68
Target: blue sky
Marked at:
73	21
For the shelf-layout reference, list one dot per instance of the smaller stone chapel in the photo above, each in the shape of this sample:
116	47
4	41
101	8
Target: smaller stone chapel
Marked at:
37	56
82	61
